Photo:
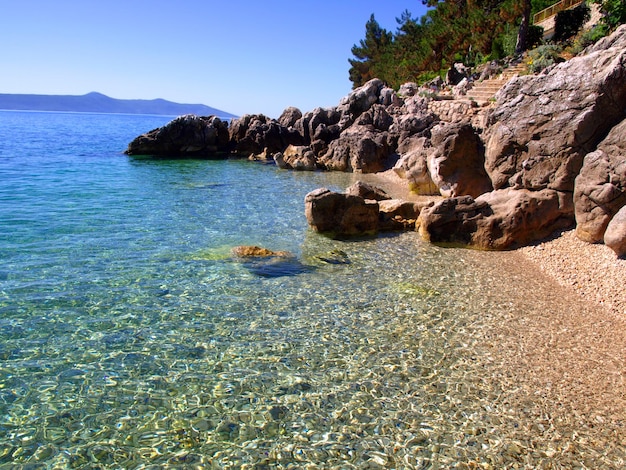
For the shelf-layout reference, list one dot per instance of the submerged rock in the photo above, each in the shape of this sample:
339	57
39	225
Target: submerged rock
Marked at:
253	251
267	263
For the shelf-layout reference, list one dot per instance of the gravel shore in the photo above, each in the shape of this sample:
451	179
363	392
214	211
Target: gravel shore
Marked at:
593	271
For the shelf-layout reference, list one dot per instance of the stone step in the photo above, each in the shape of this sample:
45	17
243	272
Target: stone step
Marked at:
484	91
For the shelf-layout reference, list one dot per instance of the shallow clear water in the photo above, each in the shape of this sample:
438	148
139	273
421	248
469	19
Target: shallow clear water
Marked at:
130	338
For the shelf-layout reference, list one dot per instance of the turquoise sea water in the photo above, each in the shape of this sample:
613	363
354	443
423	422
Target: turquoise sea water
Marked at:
130	338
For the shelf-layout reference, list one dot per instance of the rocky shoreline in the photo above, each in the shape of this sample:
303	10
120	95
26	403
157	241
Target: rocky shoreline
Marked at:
590	271
546	156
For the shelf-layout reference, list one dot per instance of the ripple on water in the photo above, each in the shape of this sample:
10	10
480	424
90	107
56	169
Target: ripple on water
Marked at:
382	362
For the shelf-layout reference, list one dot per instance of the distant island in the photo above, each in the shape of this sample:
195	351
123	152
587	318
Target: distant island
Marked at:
98	103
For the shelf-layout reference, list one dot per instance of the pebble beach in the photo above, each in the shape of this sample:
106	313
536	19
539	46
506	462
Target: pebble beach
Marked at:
594	272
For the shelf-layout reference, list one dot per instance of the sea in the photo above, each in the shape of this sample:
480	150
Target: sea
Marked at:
131	337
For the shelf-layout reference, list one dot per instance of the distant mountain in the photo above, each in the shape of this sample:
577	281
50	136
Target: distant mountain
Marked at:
99	103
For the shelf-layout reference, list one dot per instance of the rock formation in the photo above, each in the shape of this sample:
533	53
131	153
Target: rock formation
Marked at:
600	189
361	210
187	136
547	154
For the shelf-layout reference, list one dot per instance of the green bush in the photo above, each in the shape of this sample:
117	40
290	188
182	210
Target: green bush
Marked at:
544	56
587	38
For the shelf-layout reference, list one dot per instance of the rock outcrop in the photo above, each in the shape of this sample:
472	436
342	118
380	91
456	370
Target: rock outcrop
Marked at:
600	189
362	210
457	161
497	220
549	153
187	136
341	214
254	134
543	126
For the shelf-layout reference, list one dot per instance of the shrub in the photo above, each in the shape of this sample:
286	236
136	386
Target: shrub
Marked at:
544	56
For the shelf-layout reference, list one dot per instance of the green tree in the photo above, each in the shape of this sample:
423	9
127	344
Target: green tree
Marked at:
371	54
614	12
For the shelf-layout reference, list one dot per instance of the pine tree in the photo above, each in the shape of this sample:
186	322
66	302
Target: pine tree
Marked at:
371	53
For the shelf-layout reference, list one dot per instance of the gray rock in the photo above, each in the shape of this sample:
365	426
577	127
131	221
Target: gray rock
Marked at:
185	136
256	133
290	116
457	161
543	125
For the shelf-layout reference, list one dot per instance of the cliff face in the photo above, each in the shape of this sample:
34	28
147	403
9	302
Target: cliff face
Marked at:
548	153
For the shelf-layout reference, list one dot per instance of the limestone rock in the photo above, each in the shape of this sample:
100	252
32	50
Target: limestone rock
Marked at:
319	127
501	219
359	152
296	158
340	214
600	189
543	125
256	133
361	99
290	116
413	167
367	191
253	251
615	234
398	215
456	162
185	136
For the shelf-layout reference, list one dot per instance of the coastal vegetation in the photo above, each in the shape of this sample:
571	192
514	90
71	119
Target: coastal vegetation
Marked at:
471	32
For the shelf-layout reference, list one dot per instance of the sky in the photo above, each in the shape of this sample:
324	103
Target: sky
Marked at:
239	56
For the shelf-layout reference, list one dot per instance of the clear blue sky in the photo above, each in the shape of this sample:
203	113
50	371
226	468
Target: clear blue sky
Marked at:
240	56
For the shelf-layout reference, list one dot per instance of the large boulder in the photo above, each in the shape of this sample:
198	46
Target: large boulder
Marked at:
457	161
413	167
254	134
501	219
398	215
296	157
185	136
600	190
544	125
367	191
615	234
341	214
363	151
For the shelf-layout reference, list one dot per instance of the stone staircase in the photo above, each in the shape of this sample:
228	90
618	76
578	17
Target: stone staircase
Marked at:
486	90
